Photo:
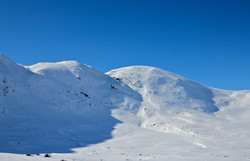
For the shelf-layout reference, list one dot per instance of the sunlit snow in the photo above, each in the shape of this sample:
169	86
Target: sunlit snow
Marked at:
72	111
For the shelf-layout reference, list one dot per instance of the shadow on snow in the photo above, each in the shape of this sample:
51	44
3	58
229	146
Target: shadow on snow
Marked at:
55	132
199	92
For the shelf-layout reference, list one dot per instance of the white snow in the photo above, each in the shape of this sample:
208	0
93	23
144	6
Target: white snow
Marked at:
74	112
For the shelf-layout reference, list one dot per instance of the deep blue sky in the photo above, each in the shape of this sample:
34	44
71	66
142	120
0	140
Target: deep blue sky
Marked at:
207	41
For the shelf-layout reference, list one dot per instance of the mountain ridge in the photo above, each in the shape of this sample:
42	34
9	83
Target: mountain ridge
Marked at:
55	107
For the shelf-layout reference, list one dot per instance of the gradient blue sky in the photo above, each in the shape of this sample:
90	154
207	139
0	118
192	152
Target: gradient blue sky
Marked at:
207	41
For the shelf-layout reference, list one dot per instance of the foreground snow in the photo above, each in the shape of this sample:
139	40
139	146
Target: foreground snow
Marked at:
74	112
144	144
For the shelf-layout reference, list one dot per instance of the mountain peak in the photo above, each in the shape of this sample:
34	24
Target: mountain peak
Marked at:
165	89
71	66
145	71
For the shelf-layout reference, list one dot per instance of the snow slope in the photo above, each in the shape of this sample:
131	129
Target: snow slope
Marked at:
131	113
206	117
57	106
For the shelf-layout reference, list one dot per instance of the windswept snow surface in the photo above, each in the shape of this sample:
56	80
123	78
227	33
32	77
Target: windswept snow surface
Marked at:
74	112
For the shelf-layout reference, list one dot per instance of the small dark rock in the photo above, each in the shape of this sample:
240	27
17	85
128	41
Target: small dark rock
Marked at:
86	95
47	155
118	79
113	87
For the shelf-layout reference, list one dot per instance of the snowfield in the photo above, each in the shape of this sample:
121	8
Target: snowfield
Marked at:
71	111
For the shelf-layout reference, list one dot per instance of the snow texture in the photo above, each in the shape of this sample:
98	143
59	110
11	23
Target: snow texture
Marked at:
74	112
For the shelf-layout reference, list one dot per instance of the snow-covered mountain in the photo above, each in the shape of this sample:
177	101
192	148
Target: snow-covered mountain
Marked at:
56	106
136	113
